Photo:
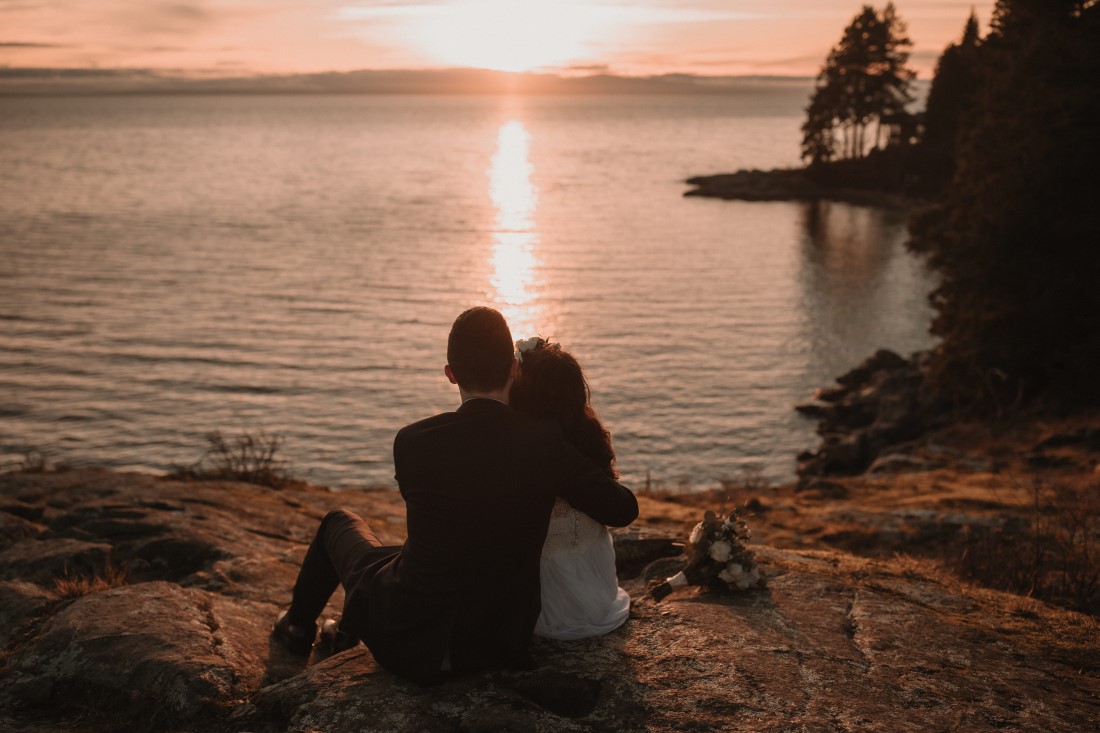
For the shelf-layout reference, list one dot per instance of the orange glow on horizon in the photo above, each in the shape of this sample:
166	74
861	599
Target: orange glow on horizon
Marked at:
506	35
646	37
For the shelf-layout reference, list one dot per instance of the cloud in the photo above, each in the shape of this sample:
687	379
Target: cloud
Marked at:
165	18
47	73
15	6
634	13
809	58
625	36
593	68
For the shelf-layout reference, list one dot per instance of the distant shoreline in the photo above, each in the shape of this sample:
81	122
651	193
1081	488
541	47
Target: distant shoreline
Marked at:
789	184
454	81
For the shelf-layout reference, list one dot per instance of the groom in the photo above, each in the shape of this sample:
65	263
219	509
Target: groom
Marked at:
479	483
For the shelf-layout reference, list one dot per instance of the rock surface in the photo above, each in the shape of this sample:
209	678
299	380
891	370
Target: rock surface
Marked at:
836	642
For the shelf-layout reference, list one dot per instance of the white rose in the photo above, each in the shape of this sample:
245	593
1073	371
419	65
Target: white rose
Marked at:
727	576
735	568
720	551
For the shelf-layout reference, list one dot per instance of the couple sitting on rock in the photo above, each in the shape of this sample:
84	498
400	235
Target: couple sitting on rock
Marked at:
505	496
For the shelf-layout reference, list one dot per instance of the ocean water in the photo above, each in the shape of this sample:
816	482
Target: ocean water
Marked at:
174	265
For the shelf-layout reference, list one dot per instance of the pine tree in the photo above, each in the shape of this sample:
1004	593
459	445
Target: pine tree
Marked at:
864	78
1014	238
819	140
954	88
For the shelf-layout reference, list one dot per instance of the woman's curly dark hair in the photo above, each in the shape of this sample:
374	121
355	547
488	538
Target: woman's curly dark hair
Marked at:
551	385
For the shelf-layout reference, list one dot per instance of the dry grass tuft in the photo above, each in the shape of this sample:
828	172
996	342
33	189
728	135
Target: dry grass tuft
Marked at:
33	461
76	586
1052	554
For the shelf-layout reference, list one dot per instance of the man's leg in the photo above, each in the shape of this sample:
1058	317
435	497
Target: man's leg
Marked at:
343	546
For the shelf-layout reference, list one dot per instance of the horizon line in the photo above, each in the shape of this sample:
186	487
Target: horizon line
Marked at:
39	81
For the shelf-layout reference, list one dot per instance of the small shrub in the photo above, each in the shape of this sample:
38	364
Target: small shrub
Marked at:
1052	554
749	481
75	586
34	461
246	457
662	490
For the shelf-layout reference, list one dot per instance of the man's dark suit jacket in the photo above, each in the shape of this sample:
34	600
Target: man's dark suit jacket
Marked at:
479	485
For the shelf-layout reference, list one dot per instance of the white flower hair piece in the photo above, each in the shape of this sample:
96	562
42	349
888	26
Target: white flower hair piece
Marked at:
528	344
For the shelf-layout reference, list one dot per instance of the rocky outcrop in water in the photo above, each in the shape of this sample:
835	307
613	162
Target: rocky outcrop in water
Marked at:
134	603
882	403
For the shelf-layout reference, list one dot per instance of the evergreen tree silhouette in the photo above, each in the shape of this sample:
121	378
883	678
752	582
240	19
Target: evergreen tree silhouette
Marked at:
1014	237
952	95
864	79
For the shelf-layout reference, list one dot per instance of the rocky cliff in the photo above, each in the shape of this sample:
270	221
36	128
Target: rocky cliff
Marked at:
131	602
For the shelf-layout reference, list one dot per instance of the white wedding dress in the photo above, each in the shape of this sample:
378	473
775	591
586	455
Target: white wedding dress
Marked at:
581	596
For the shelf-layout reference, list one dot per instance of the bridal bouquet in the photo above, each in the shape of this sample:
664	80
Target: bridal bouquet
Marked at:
717	557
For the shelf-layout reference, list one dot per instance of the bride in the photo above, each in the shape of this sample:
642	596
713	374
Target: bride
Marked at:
580	592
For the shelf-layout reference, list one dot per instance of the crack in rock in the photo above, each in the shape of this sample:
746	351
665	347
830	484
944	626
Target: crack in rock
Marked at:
851	629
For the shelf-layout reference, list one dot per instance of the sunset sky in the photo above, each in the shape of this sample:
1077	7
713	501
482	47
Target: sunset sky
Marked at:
635	37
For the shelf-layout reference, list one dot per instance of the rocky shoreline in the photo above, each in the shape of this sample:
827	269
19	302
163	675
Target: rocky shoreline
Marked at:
133	602
788	184
882	418
867	418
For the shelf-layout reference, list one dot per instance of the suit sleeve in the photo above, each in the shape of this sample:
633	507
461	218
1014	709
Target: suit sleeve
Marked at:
400	450
590	490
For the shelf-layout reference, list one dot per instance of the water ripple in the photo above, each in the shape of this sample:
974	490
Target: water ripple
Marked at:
176	266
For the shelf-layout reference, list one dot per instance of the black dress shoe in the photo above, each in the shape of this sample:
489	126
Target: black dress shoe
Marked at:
293	637
334	638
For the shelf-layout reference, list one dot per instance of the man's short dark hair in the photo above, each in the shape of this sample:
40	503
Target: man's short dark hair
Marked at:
479	350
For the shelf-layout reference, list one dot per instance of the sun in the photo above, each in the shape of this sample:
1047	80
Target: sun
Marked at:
507	35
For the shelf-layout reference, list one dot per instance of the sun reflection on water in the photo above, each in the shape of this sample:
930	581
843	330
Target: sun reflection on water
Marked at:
515	239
